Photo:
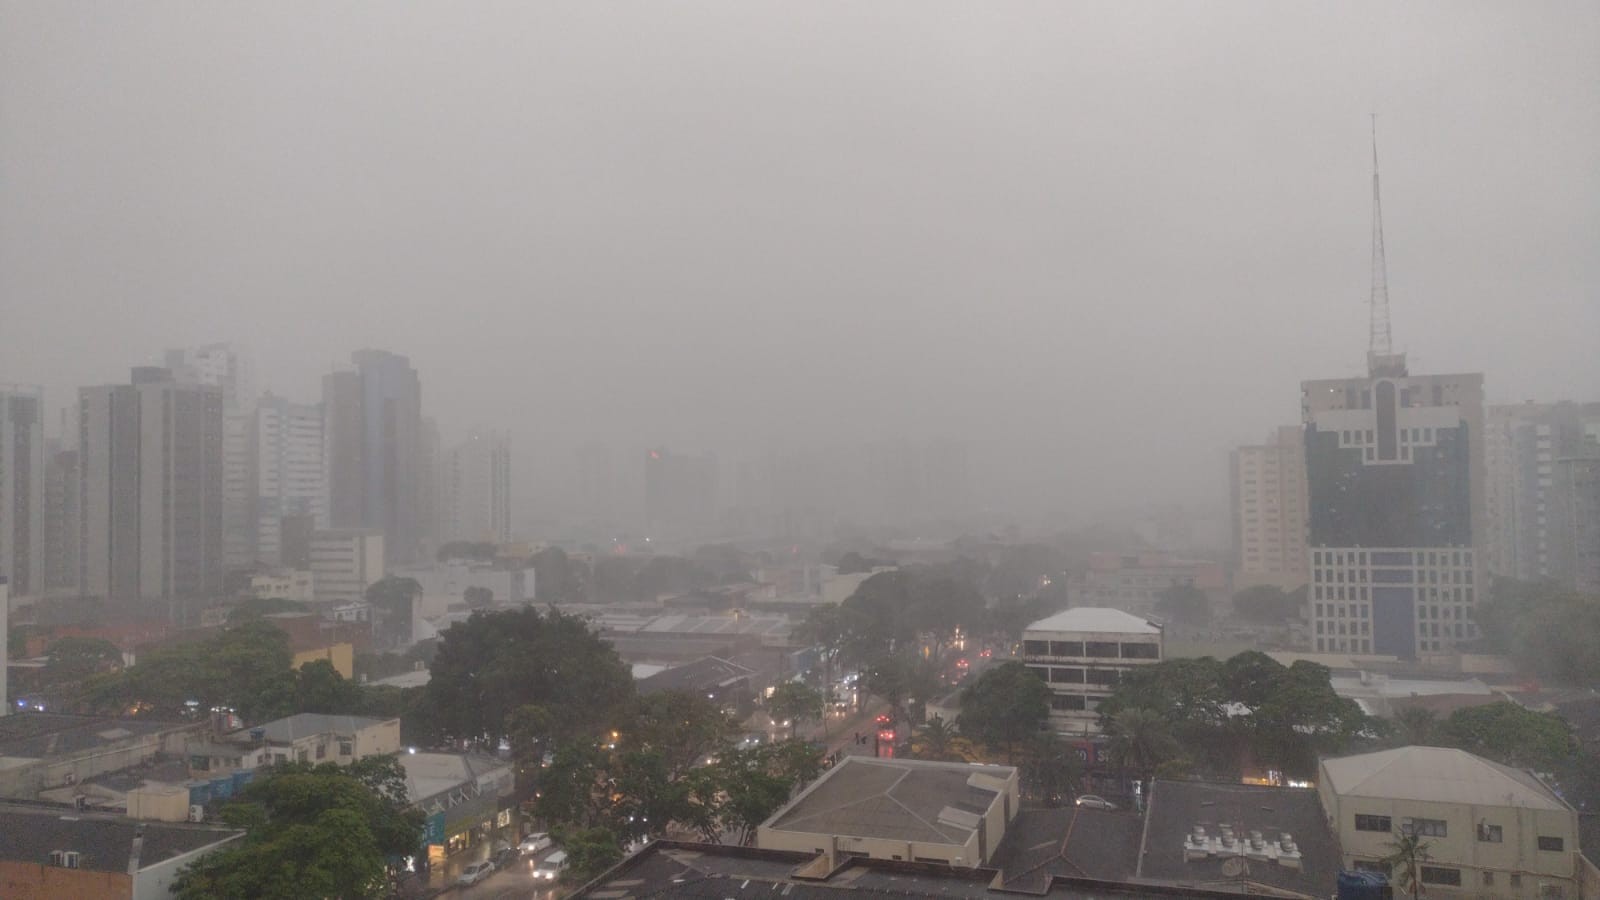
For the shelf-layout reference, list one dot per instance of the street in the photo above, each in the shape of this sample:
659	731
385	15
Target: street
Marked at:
515	880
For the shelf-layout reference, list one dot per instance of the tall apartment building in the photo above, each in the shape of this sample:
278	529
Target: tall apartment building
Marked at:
1083	654
150	492
1269	511
1536	454
477	489
290	479
22	479
226	367
61	528
374	445
1575	511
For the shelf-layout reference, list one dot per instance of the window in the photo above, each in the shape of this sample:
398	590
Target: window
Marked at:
1373	823
1372	865
322	751
347	748
1036	648
1488	879
1424	827
1516	879
1441	875
1066	702
1101	649
1139	651
1489	834
1552	844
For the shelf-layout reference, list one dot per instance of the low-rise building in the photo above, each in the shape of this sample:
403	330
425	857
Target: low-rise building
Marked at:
1082	654
51	852
467	800
1491	831
446	584
898	809
306	737
40	751
295	585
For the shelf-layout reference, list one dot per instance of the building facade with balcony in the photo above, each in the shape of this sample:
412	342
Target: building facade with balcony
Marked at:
1083	654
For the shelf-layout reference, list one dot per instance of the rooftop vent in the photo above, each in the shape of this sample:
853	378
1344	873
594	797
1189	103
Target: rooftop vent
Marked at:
1205	841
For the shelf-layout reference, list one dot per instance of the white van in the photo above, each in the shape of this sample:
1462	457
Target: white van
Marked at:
550	868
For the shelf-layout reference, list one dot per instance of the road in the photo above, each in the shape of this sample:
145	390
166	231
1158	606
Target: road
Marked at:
514	881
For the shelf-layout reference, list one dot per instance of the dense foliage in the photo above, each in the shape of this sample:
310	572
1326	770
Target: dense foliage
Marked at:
1005	707
1546	629
311	831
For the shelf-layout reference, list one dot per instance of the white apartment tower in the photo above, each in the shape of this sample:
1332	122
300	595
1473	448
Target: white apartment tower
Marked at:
478	489
1269	511
289	476
22	479
226	367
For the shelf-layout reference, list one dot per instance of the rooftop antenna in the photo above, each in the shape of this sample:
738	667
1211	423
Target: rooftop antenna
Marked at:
1381	358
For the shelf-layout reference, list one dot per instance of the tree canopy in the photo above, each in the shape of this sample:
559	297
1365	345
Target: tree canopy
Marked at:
499	661
311	831
1006	705
1545	628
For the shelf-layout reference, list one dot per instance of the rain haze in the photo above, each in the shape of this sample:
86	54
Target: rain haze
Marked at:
1098	244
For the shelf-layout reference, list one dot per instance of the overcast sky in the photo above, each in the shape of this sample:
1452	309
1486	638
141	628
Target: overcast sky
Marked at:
1104	240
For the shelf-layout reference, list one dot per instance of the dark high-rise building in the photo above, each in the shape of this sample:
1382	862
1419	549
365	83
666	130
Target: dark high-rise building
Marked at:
150	475
22	477
1395	482
61	519
376	468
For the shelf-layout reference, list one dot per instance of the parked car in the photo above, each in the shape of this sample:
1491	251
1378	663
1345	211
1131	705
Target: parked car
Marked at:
1090	801
550	869
505	856
535	842
475	873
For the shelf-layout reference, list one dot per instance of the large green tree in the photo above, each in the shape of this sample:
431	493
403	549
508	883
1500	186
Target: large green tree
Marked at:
795	702
499	661
1006	705
1511	734
323	831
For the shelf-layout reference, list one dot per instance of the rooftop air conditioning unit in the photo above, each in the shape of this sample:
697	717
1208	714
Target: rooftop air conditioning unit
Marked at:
197	813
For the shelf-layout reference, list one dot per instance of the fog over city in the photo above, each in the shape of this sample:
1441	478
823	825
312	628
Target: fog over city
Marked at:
1098	243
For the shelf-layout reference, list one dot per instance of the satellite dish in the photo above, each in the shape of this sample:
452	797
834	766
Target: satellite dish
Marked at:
1233	867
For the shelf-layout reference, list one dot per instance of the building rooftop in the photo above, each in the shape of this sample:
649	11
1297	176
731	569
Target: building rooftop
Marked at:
1296	852
104	843
36	735
1437	775
431	774
301	725
1096	618
895	799
1070	842
671	870
704	674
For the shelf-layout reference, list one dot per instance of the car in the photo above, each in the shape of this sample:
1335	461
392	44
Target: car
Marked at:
535	842
1090	801
505	856
550	868
475	873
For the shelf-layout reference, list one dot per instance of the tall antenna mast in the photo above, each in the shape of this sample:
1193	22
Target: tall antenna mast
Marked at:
1379	343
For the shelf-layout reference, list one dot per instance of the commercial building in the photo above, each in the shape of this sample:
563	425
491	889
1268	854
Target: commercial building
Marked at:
345	562
1396	477
226	367
1269	511
896	809
290	480
374	436
477	489
150	487
49	852
297	585
1083	654
1492	831
22	482
468	800
48	750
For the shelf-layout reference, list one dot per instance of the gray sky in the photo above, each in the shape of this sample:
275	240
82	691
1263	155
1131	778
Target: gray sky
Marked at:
1106	240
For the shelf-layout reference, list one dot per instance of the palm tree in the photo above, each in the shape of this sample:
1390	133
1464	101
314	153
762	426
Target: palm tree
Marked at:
1141	740
1409	852
935	740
